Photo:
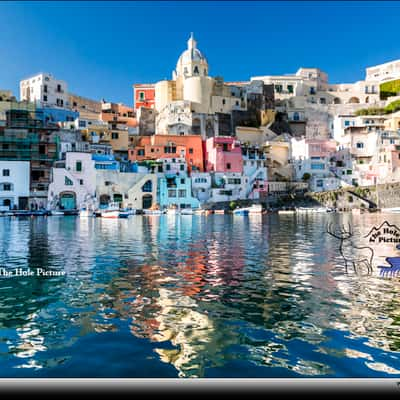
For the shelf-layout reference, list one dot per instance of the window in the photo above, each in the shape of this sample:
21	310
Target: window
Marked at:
223	101
234	181
170	149
114	135
278	88
82	124
168	167
68	181
346	123
237	103
44	98
81	181
225	146
59	88
7	187
322	100
296	116
190	151
147	187
182	167
6	172
228	166
182	193
171	193
152	150
45	88
317	166
360	145
78	166
196	70
290	88
182	181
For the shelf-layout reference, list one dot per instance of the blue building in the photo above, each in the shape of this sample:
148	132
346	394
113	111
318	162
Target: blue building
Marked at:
175	186
106	162
55	115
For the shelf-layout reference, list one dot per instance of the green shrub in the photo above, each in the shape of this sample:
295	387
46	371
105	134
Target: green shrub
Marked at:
388	89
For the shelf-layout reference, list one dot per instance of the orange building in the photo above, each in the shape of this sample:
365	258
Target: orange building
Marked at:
144	95
170	146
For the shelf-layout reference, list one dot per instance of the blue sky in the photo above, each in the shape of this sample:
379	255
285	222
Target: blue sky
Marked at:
102	48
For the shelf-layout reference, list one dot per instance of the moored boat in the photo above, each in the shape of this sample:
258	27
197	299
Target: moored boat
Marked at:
112	211
186	211
391	210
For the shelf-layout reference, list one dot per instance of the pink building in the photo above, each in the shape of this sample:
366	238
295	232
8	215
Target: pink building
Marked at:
223	154
321	147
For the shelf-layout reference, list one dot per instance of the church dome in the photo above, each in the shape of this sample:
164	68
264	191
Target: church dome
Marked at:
192	62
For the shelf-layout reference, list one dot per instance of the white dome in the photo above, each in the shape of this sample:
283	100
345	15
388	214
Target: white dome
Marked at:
192	61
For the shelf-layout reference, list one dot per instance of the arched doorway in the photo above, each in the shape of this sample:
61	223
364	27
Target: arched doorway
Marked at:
7	203
367	99
336	100
104	200
117	198
68	200
354	100
147	201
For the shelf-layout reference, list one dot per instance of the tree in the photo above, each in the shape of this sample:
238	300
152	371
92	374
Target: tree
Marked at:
306	177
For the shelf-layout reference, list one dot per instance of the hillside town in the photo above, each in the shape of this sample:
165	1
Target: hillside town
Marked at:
196	141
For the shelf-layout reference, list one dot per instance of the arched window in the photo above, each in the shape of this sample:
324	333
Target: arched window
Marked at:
336	100
196	70
354	100
367	99
147	187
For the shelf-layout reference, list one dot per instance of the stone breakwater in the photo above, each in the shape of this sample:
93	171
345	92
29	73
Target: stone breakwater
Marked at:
363	197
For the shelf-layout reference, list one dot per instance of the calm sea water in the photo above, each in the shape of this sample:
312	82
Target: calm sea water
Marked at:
194	296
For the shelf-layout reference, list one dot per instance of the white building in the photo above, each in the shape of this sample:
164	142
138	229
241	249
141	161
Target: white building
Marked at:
14	184
44	90
383	72
73	182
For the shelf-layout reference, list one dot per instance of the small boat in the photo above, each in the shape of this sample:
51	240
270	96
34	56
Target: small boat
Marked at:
173	210
241	211
57	213
153	210
124	214
6	214
286	211
112	211
186	211
85	213
219	211
256	209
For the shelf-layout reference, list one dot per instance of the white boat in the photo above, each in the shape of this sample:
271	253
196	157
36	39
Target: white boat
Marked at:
391	210
57	213
153	212
173	211
186	211
286	211
312	209
85	213
241	211
112	211
219	211
256	209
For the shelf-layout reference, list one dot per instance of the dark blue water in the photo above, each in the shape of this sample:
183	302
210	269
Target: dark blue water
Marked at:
193	296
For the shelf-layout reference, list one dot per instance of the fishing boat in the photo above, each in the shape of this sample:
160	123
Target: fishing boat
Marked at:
112	211
241	211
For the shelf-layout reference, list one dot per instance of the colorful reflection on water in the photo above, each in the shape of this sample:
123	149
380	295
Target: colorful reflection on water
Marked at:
195	296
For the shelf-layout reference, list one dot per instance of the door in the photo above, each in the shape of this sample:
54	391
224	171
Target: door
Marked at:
68	201
147	201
